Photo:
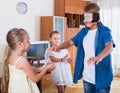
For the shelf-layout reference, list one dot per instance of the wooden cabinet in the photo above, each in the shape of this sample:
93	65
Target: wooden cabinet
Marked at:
72	9
71	32
59	7
69	6
46	80
52	23
48	25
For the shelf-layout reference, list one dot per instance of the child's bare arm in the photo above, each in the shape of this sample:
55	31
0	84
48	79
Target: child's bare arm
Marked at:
37	69
26	67
64	45
107	50
54	59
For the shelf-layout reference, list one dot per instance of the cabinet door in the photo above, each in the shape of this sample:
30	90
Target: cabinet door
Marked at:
59	8
46	26
59	26
52	23
47	80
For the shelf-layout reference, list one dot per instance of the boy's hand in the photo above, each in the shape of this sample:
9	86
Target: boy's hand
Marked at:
54	49
93	60
57	49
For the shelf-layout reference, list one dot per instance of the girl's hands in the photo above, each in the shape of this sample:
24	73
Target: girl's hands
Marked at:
69	60
65	58
50	66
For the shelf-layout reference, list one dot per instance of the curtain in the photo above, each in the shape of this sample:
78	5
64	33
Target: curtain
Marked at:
110	16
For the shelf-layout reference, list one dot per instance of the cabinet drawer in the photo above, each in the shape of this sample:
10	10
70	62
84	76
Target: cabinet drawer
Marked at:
46	81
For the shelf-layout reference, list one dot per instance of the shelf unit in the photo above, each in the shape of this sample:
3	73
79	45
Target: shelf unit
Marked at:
52	23
72	10
73	20
47	25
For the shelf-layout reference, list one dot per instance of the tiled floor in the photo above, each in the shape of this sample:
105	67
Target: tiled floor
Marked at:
78	88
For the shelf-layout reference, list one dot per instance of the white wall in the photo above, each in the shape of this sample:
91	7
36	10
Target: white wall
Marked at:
9	18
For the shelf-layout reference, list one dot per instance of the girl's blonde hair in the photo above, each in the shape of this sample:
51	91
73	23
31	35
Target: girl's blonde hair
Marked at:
51	34
13	36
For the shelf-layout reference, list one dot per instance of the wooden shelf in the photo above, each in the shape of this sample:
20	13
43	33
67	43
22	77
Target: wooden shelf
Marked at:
69	20
74	20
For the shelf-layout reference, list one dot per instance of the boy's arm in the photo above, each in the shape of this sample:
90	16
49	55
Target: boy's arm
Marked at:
64	45
106	51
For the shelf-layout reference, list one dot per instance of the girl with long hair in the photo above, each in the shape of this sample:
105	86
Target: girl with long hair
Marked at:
18	75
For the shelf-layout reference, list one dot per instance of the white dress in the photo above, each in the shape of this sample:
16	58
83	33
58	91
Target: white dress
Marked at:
61	75
19	82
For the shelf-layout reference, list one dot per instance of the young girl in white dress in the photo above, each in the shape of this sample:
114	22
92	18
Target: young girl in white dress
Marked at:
18	76
61	75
